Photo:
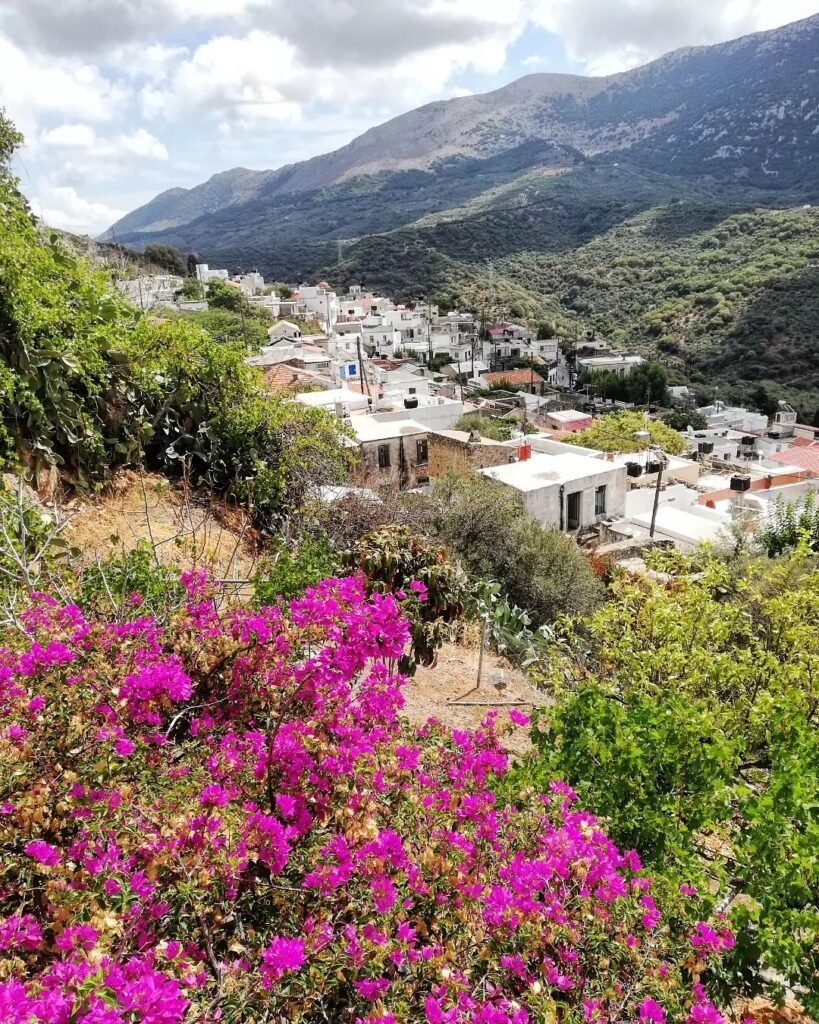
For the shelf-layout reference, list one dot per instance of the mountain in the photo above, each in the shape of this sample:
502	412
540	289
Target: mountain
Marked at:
609	203
744	112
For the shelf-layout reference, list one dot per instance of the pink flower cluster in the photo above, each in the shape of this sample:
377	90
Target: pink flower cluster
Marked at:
224	817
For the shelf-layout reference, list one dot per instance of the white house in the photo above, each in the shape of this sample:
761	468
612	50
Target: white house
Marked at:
320	301
568	492
610	364
205	274
284	329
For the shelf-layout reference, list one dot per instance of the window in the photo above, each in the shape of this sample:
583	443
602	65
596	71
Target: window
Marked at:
421	453
600	501
383	456
573	511
412	391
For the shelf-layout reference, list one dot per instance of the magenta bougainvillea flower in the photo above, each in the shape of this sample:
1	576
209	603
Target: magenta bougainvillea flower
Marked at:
223	817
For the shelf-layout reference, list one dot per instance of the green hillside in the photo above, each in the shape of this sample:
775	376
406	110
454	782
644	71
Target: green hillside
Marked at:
724	292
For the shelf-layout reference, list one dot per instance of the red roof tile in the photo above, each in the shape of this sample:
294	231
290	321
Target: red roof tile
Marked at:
280	378
806	457
514	377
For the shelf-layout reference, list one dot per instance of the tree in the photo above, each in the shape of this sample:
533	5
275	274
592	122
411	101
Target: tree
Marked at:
192	289
685	712
615	432
487	528
681	420
165	256
191	263
763	400
10	139
545	330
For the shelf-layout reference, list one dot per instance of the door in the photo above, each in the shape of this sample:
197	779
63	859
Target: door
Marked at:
573	510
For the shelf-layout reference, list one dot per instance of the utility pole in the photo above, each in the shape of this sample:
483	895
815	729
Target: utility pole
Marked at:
656	496
429	331
361	366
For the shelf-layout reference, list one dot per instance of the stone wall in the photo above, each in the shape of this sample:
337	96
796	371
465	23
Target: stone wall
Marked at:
450	455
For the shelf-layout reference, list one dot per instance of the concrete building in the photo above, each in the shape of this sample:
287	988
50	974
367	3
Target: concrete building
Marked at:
568	420
205	274
611	364
461	452
320	301
284	329
569	492
394	452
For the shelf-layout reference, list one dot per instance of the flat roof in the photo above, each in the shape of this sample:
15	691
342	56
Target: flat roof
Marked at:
678	524
367	428
319	399
567	415
541	471
613	358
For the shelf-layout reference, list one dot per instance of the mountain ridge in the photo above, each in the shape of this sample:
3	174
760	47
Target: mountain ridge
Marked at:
672	109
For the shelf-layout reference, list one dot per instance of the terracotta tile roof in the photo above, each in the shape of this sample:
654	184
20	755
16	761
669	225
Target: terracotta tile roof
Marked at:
514	377
804	456
280	378
376	391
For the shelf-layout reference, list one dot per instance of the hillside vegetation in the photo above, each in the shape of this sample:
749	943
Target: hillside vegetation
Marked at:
88	383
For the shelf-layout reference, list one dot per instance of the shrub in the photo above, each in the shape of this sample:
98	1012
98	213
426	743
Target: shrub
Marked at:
615	433
430	587
487	528
223	818
685	713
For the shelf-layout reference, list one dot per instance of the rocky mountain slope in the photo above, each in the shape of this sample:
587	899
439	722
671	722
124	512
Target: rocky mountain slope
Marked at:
744	112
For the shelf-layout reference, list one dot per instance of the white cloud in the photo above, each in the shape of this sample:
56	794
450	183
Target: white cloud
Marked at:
70	136
621	34
32	85
61	207
534	60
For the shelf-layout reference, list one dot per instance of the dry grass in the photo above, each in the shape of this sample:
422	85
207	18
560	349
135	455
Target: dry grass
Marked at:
183	528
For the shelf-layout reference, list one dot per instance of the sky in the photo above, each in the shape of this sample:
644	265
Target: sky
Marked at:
121	99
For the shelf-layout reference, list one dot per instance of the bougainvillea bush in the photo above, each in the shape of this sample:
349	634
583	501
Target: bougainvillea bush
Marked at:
223	818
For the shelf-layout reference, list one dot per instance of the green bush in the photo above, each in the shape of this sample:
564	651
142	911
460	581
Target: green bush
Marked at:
487	528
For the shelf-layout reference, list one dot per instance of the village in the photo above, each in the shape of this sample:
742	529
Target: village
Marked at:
426	394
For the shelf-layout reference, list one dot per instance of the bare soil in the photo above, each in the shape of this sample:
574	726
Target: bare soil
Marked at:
430	692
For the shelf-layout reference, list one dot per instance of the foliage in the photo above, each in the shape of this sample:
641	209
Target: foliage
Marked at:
222	295
88	382
429	586
789	525
223	819
686	714
487	528
10	140
681	419
64	385
291	569
647	383
614	432
487	426
130	584
224	325
166	257
192	289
